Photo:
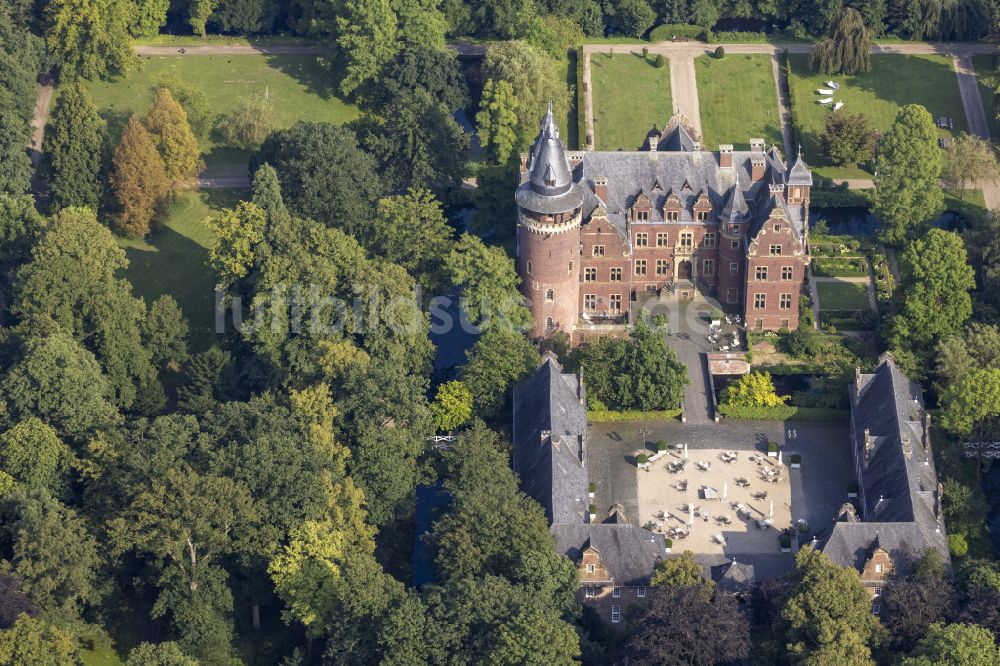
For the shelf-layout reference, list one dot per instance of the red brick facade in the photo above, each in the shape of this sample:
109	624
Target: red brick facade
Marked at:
583	271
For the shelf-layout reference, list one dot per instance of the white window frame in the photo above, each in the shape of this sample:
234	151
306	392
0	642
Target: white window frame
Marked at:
591	568
641	592
616	592
616	614
588	592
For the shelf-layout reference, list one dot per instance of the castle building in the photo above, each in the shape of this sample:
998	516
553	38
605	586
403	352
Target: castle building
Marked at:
598	233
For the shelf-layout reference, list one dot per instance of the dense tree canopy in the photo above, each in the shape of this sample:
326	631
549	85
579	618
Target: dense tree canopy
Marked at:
847	50
76	145
908	167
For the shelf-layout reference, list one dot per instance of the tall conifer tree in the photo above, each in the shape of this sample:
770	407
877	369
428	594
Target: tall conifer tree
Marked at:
76	143
168	126
138	178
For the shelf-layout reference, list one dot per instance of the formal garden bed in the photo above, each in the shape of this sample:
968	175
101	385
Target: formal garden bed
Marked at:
842	296
895	80
618	78
298	87
840	267
726	118
611	416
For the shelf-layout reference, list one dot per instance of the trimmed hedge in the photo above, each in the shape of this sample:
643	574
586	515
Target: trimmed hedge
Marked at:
848	320
610	416
742	37
581	102
783	413
667	31
839	267
840	199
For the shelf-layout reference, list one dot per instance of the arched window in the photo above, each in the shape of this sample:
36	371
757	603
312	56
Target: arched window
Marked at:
529	267
571	267
549	325
550	294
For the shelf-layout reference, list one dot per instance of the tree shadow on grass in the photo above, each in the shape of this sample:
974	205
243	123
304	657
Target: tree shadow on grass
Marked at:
314	72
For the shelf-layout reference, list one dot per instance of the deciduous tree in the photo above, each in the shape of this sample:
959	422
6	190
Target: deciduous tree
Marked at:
489	283
148	17
76	145
908	171
89	38
368	40
848	139
968	159
34	641
755	389
847	50
706	632
138	179
971	400
499	358
32	453
955	645
410	230
635	17
238	234
250	124
937	280
165	332
534	78
452	405
826	614
681	571
168	127
167	653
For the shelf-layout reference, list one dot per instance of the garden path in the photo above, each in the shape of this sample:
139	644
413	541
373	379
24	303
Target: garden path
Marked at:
684	89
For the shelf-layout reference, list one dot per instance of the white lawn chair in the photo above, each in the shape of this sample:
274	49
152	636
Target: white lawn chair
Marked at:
838	106
825	91
826	100
831	84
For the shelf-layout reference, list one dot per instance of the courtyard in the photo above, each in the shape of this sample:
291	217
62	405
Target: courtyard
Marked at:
812	494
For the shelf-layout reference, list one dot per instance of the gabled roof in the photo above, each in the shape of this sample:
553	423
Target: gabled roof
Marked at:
629	552
677	139
550	427
898	494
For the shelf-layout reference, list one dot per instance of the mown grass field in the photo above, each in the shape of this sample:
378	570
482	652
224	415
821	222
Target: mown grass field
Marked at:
173	260
630	95
895	80
738	99
842	296
298	86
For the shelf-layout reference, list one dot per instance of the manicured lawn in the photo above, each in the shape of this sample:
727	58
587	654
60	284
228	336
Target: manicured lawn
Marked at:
842	296
895	80
173	260
298	87
630	96
738	99
986	76
226	40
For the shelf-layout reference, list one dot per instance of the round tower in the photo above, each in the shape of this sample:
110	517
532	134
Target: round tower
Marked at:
549	210
732	255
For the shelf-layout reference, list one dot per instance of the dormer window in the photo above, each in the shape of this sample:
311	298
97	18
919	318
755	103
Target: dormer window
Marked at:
673	216
640	215
590	568
701	215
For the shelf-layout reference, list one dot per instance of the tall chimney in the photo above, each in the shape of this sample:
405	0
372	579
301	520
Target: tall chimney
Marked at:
758	165
601	188
726	156
756	145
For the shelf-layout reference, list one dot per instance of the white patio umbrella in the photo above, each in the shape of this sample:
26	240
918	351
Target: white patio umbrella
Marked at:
725	490
685	451
779	457
770	512
690	514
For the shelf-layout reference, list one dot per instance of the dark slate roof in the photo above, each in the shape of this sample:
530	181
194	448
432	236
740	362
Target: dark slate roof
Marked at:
898	484
630	552
677	139
734	577
736	208
550	427
851	544
549	187
800	173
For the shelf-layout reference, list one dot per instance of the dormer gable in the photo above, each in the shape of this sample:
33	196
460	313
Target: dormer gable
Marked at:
641	208
702	207
878	564
592	568
672	207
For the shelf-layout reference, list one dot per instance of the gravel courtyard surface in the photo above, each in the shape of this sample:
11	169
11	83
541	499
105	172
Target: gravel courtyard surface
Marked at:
812	493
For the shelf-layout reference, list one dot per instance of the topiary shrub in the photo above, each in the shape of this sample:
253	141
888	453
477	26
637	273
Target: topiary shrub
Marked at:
645	52
772	447
785	541
669	543
796	459
661	61
852	488
593	509
592	487
641	459
720	52
661	445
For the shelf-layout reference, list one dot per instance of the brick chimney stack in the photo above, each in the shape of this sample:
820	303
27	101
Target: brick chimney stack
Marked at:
601	188
758	165
726	156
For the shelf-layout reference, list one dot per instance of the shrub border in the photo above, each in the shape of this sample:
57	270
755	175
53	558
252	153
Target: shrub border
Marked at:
783	413
611	416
